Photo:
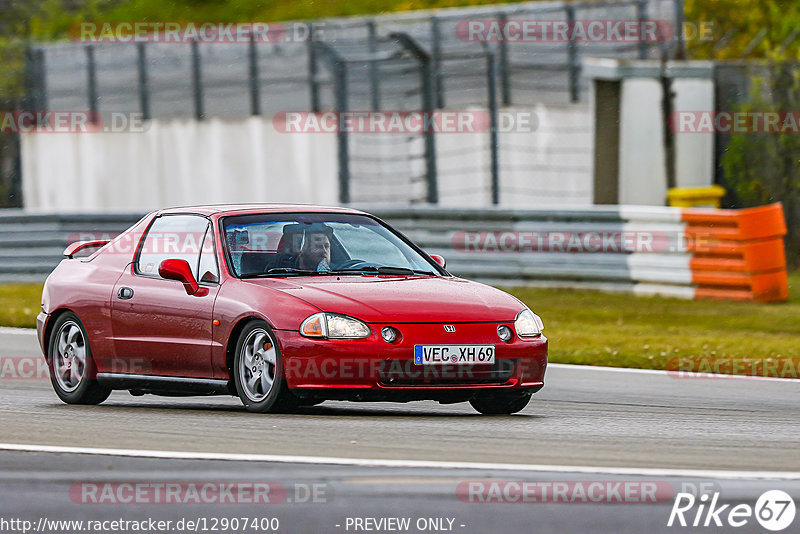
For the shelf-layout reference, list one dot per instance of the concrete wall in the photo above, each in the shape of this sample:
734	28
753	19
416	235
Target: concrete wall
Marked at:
641	150
177	162
180	162
640	176
550	165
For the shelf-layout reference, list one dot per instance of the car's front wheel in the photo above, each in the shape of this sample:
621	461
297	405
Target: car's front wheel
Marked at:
72	369
258	371
500	403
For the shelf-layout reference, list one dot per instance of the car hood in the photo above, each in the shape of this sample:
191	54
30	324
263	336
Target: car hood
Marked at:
381	299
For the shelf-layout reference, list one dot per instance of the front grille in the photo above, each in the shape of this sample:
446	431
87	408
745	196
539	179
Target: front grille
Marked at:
406	373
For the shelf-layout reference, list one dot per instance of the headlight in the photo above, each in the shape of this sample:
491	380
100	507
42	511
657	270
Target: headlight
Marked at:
389	334
528	324
504	333
333	326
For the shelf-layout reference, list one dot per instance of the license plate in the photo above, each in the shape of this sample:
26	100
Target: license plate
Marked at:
453	354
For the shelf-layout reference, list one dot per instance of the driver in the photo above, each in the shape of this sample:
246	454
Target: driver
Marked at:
289	246
316	252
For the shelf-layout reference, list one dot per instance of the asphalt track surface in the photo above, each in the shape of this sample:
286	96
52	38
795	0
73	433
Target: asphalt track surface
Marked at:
738	437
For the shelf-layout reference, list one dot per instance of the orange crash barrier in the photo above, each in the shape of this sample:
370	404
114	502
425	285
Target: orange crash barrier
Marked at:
738	253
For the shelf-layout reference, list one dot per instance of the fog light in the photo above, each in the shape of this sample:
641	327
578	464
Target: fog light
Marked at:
389	334
504	333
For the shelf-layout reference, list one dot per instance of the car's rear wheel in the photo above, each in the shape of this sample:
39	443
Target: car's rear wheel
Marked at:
500	403
258	371
72	369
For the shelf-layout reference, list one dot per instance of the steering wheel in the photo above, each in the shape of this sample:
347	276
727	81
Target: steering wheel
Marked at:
352	264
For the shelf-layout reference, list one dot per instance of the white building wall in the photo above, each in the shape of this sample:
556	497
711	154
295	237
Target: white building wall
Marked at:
177	162
642	173
642	178
181	162
694	152
551	164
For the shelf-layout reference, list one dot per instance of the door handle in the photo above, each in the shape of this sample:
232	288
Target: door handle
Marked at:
125	293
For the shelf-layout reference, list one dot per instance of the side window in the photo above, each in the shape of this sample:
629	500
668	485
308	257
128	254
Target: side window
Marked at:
208	269
172	237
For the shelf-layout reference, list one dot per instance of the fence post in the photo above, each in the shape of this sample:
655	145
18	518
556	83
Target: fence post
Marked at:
91	71
144	89
680	52
436	60
641	16
197	82
339	69
667	106
375	97
252	59
572	57
491	75
428	106
502	50
312	72
35	82
14	197
340	77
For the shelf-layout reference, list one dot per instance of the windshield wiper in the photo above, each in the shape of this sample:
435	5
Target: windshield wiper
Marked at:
287	271
383	269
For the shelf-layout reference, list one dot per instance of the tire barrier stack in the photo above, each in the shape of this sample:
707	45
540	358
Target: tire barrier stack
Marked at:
738	254
682	252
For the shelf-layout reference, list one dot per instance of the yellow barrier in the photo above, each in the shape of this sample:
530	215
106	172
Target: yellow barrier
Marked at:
695	197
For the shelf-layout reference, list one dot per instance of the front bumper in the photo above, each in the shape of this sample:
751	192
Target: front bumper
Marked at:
41	325
370	368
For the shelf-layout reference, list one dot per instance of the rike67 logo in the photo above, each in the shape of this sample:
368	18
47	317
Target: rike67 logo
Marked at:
774	510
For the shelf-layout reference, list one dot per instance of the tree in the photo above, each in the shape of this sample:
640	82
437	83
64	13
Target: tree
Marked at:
751	28
765	167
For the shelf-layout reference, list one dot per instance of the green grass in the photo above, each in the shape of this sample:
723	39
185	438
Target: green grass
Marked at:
19	304
589	327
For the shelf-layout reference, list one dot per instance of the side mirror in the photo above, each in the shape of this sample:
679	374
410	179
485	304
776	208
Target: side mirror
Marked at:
439	259
179	270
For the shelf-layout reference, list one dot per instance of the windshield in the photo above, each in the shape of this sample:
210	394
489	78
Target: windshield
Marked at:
298	244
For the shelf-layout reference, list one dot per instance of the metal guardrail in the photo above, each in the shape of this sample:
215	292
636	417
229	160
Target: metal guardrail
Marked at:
690	253
31	245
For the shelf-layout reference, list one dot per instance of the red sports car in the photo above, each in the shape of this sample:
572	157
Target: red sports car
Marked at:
282	306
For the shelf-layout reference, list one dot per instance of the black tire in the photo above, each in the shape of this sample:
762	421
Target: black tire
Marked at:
500	403
254	395
66	344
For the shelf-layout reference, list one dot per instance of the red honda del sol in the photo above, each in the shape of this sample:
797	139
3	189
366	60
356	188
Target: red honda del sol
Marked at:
283	306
